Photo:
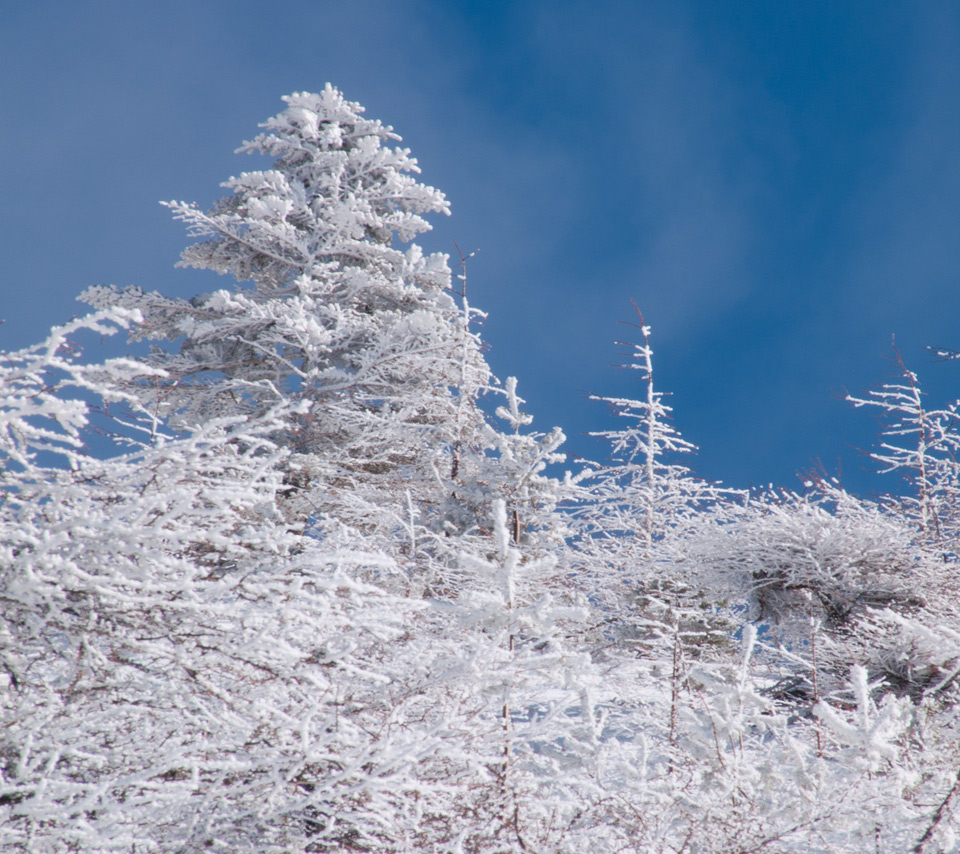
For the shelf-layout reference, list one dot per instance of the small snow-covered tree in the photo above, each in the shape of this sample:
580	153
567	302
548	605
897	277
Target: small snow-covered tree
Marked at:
514	470
643	492
634	517
516	693
921	444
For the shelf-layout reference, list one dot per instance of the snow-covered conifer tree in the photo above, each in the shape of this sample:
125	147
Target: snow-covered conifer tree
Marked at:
329	310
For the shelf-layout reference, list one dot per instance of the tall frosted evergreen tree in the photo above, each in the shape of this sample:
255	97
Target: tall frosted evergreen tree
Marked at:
330	309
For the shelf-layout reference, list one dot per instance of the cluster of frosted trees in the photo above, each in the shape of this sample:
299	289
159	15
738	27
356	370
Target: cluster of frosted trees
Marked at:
323	593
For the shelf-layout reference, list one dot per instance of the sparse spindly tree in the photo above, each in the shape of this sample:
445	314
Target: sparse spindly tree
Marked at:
635	516
644	492
921	444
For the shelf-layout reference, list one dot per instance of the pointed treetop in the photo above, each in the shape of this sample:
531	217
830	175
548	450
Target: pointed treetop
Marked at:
337	197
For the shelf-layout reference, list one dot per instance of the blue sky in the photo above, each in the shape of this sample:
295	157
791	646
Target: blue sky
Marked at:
777	185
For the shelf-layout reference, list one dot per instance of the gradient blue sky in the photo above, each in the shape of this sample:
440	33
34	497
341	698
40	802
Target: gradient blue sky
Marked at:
777	185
